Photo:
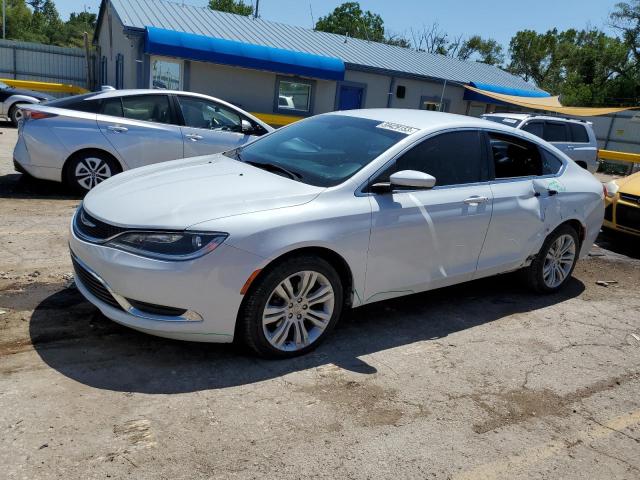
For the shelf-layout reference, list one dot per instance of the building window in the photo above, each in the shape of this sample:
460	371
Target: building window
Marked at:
294	96
434	104
166	74
119	71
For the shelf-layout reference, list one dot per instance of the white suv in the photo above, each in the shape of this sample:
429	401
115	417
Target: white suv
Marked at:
575	138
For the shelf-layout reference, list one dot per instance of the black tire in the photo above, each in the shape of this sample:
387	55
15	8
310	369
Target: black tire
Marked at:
14	114
534	275
104	165
250	329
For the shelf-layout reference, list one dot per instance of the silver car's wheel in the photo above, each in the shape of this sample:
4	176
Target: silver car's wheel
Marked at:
90	171
559	261
298	311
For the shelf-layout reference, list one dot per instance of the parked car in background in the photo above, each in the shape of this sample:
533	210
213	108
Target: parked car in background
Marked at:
12	99
85	139
270	242
622	202
575	138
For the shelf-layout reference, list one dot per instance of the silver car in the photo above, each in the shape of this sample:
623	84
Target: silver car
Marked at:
575	138
270	242
85	139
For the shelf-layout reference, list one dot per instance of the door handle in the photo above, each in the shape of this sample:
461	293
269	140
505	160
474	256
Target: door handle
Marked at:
194	137
475	200
117	129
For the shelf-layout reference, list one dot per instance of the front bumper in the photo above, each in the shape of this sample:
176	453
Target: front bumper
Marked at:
207	289
622	213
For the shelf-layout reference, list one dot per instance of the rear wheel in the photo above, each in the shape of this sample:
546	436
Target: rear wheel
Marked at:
555	262
86	170
15	114
292	308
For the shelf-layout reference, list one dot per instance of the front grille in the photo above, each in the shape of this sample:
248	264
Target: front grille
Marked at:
95	287
630	198
156	309
628	217
88	226
608	213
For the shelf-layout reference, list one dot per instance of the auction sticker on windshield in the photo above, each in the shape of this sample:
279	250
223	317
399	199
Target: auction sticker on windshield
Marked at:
396	127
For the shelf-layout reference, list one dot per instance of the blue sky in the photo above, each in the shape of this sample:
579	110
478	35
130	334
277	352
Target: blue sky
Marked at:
499	19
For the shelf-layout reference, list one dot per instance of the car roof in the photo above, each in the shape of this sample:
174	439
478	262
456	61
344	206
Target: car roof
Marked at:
527	116
422	120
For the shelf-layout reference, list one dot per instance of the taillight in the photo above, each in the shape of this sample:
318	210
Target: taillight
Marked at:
33	115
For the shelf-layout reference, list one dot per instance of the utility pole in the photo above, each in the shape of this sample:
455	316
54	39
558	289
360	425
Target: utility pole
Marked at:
255	12
4	19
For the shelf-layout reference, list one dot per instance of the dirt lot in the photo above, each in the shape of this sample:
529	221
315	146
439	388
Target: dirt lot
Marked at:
482	380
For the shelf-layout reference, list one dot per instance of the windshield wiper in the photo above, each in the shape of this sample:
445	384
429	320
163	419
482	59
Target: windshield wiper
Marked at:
272	167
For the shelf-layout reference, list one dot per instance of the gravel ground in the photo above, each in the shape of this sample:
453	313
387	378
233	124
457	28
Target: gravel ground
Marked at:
481	380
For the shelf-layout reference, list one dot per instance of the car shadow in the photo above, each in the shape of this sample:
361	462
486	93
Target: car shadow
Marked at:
18	185
620	243
74	338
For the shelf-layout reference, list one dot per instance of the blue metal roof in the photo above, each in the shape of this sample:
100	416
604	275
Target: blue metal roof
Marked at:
172	43
355	53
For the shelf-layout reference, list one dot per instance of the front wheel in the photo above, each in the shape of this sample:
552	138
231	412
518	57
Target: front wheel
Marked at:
15	114
292	308
87	170
555	262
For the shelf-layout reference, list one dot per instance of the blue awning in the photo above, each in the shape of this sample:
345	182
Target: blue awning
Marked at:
478	97
190	46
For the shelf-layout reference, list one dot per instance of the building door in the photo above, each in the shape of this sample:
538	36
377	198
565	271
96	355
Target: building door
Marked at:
350	97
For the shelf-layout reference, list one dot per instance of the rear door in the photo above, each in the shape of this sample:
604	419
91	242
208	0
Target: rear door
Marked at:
580	149
423	239
210	127
525	201
141	128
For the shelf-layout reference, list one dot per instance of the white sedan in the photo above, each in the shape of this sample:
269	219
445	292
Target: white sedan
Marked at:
271	242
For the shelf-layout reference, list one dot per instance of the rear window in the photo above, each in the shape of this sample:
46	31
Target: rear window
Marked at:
80	103
555	132
535	128
578	133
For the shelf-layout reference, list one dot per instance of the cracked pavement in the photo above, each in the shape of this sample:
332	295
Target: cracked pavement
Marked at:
481	380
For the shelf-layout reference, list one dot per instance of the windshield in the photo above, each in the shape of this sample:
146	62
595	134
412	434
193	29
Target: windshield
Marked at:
511	122
323	151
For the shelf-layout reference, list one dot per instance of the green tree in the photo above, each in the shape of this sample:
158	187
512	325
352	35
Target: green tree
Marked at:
350	20
75	27
534	55
231	6
488	50
626	18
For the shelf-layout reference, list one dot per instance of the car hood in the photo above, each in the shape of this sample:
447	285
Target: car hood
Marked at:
182	193
630	184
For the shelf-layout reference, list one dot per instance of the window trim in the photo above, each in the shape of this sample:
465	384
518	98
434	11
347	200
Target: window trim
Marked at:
177	61
289	111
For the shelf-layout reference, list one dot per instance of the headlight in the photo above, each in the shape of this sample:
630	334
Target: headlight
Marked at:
611	188
168	245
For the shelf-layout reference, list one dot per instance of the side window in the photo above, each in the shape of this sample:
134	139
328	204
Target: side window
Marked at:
514	157
578	133
535	128
550	163
112	106
150	108
452	158
556	132
201	113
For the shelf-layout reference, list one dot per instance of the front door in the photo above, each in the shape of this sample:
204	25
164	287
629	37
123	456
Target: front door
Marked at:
425	239
350	97
209	127
141	129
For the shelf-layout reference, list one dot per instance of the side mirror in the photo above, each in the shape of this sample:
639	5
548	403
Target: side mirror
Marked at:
247	128
412	179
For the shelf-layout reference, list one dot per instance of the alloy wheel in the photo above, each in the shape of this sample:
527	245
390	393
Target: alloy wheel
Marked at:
298	310
91	171
559	261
